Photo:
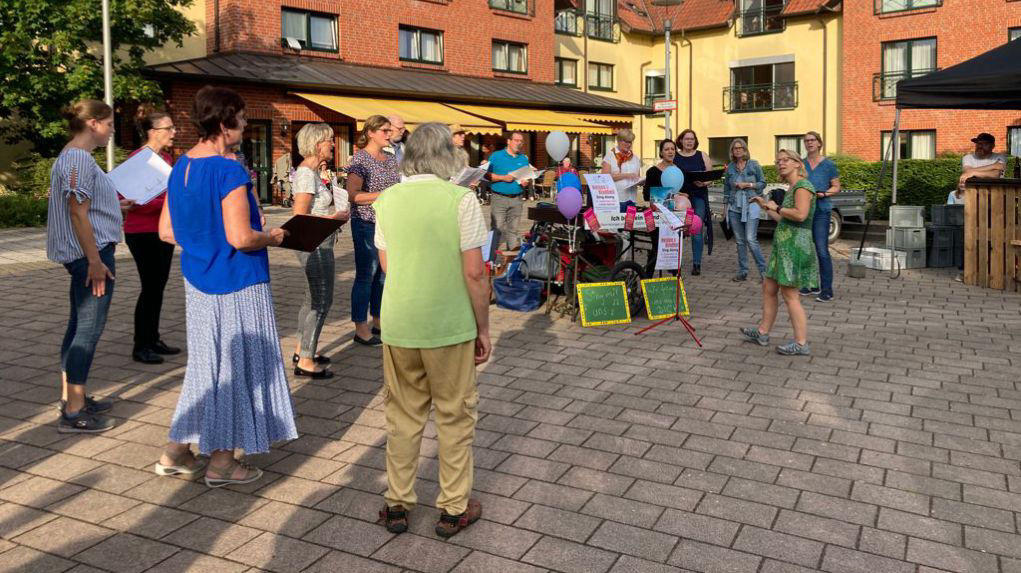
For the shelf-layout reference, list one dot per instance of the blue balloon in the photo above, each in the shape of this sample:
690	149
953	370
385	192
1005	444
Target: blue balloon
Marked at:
569	180
672	177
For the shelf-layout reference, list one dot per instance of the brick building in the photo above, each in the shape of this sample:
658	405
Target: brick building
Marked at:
885	41
486	64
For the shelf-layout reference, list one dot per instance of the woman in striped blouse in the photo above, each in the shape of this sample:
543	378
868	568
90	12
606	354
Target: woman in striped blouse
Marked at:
83	229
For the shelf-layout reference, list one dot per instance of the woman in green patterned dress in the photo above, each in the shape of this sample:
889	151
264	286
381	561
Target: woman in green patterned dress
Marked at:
792	262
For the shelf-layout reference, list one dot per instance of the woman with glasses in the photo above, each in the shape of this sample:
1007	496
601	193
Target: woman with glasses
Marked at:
742	181
825	178
792	263
152	256
371	171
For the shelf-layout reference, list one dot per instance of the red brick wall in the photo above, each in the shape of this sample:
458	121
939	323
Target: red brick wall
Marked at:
368	31
963	30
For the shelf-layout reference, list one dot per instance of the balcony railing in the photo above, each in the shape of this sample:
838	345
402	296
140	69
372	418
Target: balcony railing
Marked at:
519	6
601	27
763	20
760	97
566	22
894	6
884	84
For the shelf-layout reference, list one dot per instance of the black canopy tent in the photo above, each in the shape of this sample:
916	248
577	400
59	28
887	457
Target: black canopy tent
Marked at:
991	80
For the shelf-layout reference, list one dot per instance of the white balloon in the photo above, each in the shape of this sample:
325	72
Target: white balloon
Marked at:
557	145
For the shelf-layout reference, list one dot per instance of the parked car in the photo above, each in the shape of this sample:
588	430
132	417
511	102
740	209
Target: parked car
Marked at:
848	205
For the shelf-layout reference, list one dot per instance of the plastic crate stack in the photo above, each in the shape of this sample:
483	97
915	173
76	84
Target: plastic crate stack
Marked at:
907	235
945	237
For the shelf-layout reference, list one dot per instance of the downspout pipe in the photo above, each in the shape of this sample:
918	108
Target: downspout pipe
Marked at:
216	25
825	65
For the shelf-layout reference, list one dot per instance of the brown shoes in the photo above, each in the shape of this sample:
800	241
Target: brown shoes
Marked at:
395	518
449	525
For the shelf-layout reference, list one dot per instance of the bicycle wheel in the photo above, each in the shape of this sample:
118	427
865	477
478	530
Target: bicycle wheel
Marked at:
632	274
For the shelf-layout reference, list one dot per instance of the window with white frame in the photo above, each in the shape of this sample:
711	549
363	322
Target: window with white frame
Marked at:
565	72
312	30
888	6
600	76
1014	140
1013	34
791	142
904	60
914	144
510	57
420	45
655	87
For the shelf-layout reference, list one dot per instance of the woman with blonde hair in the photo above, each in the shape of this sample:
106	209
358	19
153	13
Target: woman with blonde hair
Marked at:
792	263
624	167
742	181
312	196
370	172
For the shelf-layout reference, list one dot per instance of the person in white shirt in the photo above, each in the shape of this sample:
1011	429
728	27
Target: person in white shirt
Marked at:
982	163
624	166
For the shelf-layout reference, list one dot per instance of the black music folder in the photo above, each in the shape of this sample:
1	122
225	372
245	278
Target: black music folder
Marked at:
306	232
705	176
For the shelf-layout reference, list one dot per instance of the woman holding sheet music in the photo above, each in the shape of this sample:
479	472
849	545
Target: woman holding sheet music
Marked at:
152	256
689	158
312	196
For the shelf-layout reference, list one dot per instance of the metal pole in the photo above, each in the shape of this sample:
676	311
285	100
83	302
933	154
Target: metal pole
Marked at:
666	77
108	76
895	141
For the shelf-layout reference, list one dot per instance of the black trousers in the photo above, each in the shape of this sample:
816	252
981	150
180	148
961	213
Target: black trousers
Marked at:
152	257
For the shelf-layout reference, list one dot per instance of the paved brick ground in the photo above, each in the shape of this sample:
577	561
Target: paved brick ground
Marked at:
894	448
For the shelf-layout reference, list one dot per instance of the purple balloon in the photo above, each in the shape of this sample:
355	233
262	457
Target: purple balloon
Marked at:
569	202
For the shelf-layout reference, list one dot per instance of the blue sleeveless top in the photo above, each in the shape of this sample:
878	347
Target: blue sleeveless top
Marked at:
693	163
208	261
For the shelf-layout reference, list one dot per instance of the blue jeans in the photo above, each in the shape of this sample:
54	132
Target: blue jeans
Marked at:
367	291
747	235
88	318
702	210
820	234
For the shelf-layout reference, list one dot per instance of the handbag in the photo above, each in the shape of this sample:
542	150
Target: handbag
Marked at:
535	264
728	232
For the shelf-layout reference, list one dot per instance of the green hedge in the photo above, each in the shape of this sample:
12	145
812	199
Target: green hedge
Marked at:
22	211
919	181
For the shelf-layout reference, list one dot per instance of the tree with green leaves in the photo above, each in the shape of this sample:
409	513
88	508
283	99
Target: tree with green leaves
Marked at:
51	54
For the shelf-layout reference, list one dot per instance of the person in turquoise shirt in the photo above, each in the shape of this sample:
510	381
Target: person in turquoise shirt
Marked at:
825	178
505	207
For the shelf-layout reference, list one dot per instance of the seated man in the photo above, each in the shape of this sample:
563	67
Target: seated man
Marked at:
982	163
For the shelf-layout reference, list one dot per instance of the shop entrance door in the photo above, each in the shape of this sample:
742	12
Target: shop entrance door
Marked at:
257	147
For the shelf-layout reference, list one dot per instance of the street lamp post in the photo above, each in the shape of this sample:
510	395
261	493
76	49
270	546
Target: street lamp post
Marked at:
107	76
667	24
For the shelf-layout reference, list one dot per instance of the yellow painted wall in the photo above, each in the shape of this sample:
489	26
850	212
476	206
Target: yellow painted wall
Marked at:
705	58
193	46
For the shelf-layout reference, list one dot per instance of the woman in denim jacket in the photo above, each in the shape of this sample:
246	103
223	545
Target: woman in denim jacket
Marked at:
742	181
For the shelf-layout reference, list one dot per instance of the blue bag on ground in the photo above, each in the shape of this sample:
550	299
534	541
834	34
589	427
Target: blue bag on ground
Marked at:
513	291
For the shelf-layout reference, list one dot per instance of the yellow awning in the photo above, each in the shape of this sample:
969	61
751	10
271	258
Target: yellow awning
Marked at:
605	118
534	119
412	112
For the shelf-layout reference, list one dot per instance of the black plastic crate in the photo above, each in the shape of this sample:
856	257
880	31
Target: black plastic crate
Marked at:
947	215
941	237
940	257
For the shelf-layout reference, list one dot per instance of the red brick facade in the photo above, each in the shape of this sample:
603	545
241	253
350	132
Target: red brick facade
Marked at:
963	29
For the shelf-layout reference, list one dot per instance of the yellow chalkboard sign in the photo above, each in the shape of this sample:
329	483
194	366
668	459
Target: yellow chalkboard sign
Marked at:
602	304
661	297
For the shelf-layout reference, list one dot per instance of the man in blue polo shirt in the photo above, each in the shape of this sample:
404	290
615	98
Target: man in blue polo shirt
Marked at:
505	192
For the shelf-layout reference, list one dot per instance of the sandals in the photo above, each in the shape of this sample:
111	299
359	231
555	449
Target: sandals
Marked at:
250	474
320	359
179	465
313	374
395	518
450	525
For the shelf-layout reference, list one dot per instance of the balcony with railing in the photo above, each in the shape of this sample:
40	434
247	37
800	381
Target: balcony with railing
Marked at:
884	84
760	97
894	6
519	6
601	27
761	20
566	22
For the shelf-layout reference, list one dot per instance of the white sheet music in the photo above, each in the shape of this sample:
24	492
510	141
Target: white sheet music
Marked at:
141	178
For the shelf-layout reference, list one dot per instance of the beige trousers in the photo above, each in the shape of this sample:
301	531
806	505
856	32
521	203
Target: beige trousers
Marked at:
413	380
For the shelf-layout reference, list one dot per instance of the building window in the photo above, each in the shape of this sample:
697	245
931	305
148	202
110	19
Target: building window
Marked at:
418	45
761	88
600	146
1014	140
918	144
655	87
566	22
719	148
313	31
510	57
761	17
600	76
519	6
794	143
565	72
1013	34
600	16
903	60
889	6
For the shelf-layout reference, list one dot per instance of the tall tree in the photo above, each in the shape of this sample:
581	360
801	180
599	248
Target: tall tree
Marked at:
51	54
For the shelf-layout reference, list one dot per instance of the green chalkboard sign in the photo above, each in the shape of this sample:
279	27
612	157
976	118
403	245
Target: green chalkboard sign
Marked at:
661	297
603	303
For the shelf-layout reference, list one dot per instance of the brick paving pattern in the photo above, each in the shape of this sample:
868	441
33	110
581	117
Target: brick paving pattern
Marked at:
894	448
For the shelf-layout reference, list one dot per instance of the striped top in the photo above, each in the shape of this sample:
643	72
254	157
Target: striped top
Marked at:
76	172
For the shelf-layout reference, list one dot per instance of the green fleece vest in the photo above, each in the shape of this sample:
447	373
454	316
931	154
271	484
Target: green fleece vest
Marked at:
425	299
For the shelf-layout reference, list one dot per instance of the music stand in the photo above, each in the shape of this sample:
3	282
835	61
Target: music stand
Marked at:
677	303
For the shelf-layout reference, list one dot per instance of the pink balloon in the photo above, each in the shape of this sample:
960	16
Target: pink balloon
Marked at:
693	222
681	203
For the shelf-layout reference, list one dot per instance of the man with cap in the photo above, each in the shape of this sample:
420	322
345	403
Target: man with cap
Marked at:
982	163
457	133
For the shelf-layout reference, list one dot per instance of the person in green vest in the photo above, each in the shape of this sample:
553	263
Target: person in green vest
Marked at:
435	326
